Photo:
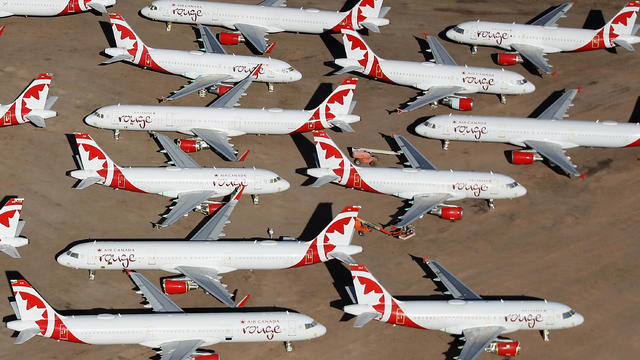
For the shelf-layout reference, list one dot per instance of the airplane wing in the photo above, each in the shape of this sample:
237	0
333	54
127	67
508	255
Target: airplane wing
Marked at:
558	110
477	339
454	286
177	156
552	16
156	298
217	140
273	3
416	159
212	230
10	250
255	35
231	97
535	55
555	154
209	280
421	205
211	44
179	350
201	82
185	202
431	95
36	120
440	55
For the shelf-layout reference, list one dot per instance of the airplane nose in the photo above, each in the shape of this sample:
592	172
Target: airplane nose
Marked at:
522	191
579	319
450	34
91	120
421	130
529	88
320	330
60	260
285	185
145	11
296	75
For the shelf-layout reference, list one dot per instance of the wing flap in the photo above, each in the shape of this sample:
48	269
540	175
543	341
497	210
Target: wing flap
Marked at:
211	44
212	229
179	350
179	157
477	339
429	96
456	287
255	35
217	140
199	83
209	280
535	55
156	298
416	159
555	154
558	110
421	205
186	202
273	3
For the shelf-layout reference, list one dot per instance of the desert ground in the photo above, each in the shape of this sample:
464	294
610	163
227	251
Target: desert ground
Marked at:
568	240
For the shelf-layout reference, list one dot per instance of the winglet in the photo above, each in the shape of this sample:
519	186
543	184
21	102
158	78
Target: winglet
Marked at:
579	88
426	35
268	51
1	29
553	74
128	272
244	156
241	189
256	71
582	176
243	301
399	111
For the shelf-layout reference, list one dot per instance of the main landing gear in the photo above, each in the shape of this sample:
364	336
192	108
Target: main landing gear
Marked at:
545	334
288	346
270	87
202	93
474	49
116	134
256	199
491	206
503	99
92	274
445	144
168	25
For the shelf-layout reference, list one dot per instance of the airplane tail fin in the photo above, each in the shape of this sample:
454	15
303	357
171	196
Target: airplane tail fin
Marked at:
91	155
336	109
368	291
329	155
366	13
341	229
34	97
10	224
124	35
360	57
622	24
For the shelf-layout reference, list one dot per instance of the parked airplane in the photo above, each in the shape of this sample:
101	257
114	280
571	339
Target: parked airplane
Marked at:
190	184
543	36
52	7
11	227
440	79
545	137
426	187
203	259
32	105
178	334
254	22
479	321
210	69
213	125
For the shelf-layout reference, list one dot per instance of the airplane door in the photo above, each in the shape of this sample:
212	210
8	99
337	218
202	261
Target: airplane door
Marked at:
92	255
258	181
493	187
122	182
169	120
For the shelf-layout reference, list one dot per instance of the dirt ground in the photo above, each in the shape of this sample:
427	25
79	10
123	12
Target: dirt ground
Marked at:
568	240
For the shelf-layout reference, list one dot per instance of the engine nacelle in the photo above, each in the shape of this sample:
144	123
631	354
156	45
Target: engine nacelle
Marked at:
191	145
452	213
208	208
173	286
524	157
220	89
459	103
504	348
227	38
206	357
508	59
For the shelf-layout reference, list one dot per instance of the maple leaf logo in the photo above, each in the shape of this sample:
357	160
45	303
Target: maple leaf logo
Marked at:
623	23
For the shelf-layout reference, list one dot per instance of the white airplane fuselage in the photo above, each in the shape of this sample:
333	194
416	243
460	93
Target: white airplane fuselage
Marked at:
47	7
224	256
231	121
193	64
550	39
565	133
408	182
152	330
454	316
171	181
272	19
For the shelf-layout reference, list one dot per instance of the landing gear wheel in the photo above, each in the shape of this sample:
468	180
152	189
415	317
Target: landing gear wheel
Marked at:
169	26
545	334
357	162
270	87
92	274
256	199
202	93
503	99
445	144
474	49
288	346
116	134
491	205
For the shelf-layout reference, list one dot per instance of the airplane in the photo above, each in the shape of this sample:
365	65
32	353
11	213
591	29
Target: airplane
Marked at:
440	79
253	22
178	334
11	226
479	321
208	69
213	125
545	137
52	7
32	105
202	258
543	36
426	187
187	182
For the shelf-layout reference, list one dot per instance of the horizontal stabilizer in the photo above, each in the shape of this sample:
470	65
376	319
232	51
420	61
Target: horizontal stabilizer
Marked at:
51	100
123	57
347	69
364	318
325	180
20	227
85	183
345	258
11	251
36	120
342	125
623	43
27	334
383	11
97	6
370	26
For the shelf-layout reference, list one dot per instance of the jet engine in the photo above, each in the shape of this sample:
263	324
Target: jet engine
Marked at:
524	157
508	59
178	286
220	89
459	103
227	38
191	145
208	208
504	348
452	213
206	357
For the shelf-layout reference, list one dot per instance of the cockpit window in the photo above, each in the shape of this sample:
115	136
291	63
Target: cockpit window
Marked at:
458	30
522	81
429	125
99	114
288	70
153	7
310	325
512	185
275	179
72	254
568	314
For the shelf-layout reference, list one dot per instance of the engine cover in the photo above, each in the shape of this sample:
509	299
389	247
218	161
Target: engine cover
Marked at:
504	348
227	38
508	59
172	287
191	145
459	103
452	213
524	157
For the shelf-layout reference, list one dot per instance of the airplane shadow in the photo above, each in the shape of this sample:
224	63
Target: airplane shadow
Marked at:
307	150
105	26
6	198
546	103
320	218
341	280
545	12
322	92
424	48
635	114
335	47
